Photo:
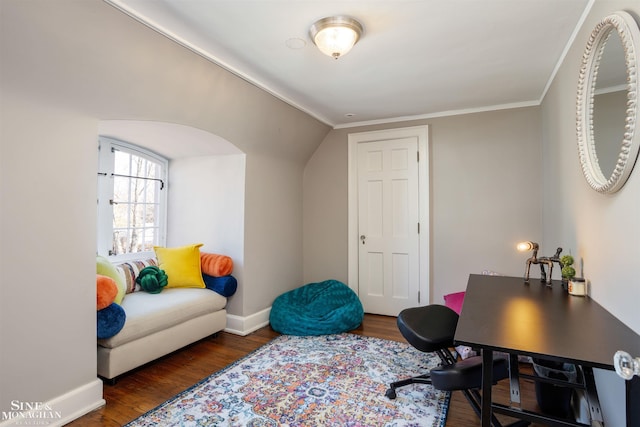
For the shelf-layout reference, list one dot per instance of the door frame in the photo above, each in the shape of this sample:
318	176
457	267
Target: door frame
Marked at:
422	134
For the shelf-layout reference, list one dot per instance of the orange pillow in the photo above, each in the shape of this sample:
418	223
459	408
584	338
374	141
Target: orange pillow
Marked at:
106	291
215	265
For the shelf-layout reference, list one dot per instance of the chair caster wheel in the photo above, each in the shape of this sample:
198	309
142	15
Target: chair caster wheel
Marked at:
391	394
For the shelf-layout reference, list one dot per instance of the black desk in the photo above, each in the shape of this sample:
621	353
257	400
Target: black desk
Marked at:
508	315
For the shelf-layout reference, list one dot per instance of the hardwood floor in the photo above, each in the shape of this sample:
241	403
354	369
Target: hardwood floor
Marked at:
145	388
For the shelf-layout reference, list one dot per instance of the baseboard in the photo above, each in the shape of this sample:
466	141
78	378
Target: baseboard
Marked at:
61	410
245	325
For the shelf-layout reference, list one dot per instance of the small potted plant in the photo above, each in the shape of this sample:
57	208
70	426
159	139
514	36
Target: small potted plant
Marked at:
568	272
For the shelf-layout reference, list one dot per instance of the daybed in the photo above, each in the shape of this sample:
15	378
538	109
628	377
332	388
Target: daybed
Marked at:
159	323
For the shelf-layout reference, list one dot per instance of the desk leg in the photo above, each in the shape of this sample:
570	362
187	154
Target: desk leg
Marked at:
487	382
514	378
592	395
633	397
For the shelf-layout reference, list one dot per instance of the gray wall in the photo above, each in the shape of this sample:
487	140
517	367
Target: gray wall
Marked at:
486	196
48	241
206	205
67	65
602	230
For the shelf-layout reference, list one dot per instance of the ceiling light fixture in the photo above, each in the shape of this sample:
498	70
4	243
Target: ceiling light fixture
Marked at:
335	35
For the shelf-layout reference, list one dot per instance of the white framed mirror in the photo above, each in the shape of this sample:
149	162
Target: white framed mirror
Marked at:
607	103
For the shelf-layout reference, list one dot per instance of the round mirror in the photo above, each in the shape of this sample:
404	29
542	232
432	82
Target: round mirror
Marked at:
607	103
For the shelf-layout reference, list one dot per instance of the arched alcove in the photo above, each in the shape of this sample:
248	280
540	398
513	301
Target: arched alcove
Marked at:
171	140
206	196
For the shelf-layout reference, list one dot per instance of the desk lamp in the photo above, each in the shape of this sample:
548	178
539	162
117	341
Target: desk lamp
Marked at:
626	366
548	261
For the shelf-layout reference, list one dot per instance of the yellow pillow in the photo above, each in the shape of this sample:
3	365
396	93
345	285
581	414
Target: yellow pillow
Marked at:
182	266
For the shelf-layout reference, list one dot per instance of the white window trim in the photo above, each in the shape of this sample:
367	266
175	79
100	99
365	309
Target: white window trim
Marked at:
105	190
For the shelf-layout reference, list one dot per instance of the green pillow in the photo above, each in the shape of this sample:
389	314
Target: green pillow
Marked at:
151	279
105	268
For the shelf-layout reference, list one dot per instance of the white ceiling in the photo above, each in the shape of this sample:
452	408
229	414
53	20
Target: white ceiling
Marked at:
418	58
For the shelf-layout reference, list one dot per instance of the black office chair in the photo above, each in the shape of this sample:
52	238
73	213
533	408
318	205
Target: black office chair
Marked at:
431	329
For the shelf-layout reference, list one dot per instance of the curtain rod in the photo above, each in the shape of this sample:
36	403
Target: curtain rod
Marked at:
135	177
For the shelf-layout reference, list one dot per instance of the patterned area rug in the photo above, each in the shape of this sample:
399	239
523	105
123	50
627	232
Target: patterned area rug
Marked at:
328	380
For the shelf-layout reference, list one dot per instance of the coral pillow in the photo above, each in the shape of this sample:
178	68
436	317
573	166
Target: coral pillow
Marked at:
106	291
216	265
105	268
182	265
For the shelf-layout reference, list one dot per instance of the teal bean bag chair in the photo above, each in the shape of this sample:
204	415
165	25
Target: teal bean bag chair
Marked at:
324	308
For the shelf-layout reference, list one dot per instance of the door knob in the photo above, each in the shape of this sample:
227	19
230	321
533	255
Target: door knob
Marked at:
363	238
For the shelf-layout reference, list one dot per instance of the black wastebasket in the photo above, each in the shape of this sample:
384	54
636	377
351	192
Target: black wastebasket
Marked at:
554	399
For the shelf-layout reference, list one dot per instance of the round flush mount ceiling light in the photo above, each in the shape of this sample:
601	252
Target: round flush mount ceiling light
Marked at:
335	35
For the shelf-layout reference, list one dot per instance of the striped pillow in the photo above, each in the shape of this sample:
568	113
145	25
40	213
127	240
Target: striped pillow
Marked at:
130	270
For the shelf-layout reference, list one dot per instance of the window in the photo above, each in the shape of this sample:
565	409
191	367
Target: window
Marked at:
132	187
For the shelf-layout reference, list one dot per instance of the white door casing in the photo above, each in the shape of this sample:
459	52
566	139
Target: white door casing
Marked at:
388	204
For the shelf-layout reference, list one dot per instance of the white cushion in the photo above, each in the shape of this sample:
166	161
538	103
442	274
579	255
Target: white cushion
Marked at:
148	313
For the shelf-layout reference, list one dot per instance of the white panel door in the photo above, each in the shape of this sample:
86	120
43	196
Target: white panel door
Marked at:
388	216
